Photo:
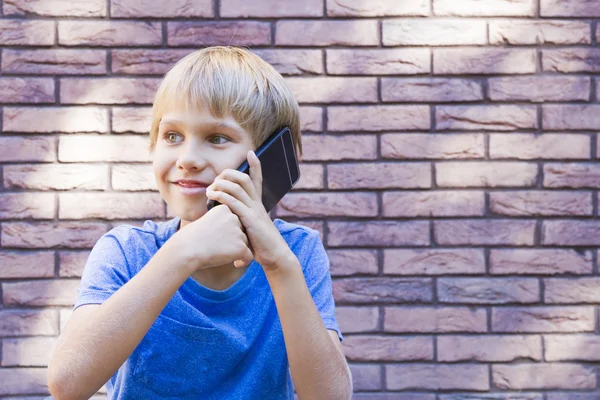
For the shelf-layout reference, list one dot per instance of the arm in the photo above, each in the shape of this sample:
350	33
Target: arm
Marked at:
317	362
98	339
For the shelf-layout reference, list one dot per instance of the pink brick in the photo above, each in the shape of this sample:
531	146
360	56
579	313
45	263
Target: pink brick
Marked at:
569	8
339	147
131	119
495	396
334	89
488	290
375	8
433	32
433	204
430	90
571	175
71	263
109	33
110	205
526	32
357	319
432	146
29	352
540	261
543	319
435	320
271	8
329	205
41	292
388	348
485	232
365	377
540	89
350	262
56	8
533	147
557	117
292	61
92	148
571	233
311	119
490	348
27	149
50	235
491	8
572	348
377	118
382	290
29	90
55	119
378	61
433	261
170	9
26	265
22	381
326	33
571	60
437	377
56	177
18	32
378	233
486	117
541	203
486	174
379	176
145	61
311	176
55	61
567	291
108	91
28	323
544	376
234	33
484	61
27	205
133	177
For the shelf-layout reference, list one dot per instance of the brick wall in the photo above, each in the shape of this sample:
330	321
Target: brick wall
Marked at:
450	150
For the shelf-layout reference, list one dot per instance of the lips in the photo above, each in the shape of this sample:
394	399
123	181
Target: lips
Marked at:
190	183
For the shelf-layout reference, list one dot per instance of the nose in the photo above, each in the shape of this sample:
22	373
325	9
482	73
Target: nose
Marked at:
191	158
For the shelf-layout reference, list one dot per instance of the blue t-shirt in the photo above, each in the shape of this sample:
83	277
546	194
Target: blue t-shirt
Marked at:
206	344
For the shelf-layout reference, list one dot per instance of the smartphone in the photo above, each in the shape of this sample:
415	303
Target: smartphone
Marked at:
279	165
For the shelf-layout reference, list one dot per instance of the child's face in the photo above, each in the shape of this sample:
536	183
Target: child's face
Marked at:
195	146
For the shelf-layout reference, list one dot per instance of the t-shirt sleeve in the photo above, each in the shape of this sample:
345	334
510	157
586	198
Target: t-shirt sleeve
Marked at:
318	279
105	271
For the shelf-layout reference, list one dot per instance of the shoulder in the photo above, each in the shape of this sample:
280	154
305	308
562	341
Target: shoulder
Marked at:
296	234
304	241
151	233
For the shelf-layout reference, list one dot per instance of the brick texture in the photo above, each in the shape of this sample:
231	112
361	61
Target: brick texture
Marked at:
450	167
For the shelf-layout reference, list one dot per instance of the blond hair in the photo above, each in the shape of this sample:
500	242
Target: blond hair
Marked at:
230	81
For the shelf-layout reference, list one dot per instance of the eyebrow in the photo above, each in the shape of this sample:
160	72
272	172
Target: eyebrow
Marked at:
218	124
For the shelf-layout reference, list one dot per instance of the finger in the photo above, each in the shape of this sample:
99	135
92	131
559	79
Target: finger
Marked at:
241	179
231	188
245	261
255	172
236	206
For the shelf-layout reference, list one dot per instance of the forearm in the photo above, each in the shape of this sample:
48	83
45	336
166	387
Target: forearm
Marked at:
86	357
318	369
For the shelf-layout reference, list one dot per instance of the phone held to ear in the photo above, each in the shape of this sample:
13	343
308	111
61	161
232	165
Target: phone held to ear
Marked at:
279	167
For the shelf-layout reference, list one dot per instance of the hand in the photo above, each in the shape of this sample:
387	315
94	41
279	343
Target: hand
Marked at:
215	239
243	195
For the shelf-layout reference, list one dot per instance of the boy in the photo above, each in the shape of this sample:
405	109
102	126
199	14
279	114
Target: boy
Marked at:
209	305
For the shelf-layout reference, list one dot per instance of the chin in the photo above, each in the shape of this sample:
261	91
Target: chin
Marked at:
189	214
